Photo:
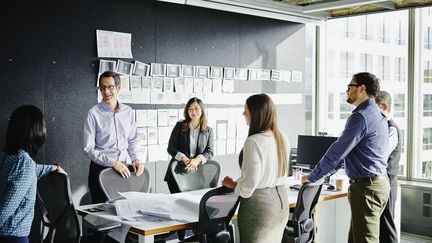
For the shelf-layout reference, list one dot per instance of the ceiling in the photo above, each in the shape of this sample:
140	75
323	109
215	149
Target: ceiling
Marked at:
304	11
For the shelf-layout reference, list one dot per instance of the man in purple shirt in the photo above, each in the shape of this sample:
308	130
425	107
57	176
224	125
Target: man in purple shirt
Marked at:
110	136
362	148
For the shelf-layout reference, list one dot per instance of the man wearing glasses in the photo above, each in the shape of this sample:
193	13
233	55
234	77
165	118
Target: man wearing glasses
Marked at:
110	135
362	146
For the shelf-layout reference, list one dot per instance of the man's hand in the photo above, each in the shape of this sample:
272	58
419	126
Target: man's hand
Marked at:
304	179
121	168
192	165
138	167
229	182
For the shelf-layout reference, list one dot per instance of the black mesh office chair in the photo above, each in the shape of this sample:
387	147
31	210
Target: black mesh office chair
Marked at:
112	182
207	176
217	207
57	212
301	228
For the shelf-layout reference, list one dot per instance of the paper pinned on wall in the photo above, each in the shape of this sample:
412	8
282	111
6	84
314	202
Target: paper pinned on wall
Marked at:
113	44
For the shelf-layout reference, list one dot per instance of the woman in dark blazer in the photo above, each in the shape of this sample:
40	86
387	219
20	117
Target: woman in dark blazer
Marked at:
191	141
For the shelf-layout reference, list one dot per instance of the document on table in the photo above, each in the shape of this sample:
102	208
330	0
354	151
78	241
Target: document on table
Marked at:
164	206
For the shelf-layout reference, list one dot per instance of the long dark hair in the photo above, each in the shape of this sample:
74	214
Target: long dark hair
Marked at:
187	119
263	118
26	130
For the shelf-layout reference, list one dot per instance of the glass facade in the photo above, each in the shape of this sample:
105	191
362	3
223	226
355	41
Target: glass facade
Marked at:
375	43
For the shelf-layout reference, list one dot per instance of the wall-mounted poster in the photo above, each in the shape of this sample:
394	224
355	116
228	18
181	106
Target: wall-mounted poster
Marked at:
141	69
188	71
158	69
124	67
107	65
202	71
229	73
173	70
241	74
216	72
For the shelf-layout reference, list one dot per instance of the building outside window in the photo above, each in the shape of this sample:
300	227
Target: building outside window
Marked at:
427	71
427	105
378	46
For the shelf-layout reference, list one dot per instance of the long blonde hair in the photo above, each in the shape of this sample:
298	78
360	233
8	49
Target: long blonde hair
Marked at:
263	118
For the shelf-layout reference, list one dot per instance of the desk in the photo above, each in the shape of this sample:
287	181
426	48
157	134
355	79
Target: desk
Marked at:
147	229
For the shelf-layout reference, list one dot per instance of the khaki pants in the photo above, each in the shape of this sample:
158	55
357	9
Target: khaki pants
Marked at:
367	199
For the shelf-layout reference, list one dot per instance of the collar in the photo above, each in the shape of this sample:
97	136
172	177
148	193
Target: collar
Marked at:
364	104
107	107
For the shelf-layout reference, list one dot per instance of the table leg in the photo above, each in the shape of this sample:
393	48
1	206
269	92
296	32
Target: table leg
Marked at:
145	239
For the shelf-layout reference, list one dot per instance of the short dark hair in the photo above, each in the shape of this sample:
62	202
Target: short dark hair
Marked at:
370	81
383	97
110	74
26	130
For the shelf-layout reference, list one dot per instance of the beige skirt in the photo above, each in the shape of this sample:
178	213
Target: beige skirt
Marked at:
263	216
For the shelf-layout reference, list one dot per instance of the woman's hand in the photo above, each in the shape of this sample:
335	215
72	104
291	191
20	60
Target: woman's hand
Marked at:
192	165
229	182
59	169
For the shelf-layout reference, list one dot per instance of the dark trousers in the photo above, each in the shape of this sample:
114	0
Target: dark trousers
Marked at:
14	239
388	231
97	195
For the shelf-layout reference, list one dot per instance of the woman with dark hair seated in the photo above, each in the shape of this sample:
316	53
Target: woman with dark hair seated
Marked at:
19	173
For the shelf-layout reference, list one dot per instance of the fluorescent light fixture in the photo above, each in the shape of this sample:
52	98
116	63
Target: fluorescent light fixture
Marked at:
318	7
266	9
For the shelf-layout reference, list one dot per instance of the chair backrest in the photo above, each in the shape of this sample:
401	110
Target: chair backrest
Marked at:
56	208
112	182
217	207
207	176
303	216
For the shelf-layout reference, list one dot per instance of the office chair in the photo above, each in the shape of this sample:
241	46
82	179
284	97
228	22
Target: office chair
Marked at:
206	176
301	227
112	182
217	207
57	212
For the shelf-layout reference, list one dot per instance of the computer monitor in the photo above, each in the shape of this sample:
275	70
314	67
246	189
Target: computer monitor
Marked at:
310	149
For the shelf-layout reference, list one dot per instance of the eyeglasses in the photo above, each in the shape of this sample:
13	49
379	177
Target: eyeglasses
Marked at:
352	85
109	87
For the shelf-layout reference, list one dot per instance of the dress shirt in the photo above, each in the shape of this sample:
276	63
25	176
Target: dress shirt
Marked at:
362	145
193	137
393	140
109	135
260	164
18	181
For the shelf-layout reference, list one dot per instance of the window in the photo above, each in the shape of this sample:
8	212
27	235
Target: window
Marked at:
399	69
400	33
427	169
366	28
384	68
330	107
399	105
366	62
387	58
427	138
345	108
347	64
427	105
384	30
428	38
427	71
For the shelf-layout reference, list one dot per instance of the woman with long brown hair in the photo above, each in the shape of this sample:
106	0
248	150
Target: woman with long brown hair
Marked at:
264	209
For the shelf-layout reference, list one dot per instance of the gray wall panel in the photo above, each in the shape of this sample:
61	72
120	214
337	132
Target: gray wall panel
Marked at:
54	64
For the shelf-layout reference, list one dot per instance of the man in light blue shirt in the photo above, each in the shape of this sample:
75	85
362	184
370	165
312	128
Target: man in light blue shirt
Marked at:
362	147
110	136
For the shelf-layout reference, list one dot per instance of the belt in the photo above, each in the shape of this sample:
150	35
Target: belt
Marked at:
367	179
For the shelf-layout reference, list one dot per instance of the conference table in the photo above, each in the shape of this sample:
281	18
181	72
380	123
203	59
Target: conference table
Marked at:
332	208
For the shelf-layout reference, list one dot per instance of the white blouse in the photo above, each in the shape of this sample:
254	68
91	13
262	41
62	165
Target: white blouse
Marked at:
260	164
